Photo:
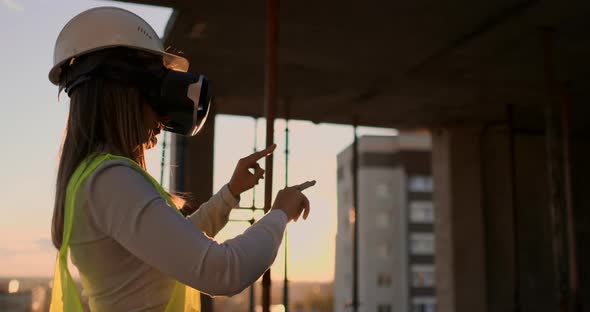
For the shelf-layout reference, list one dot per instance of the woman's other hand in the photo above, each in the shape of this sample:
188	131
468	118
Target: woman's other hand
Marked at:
242	179
292	201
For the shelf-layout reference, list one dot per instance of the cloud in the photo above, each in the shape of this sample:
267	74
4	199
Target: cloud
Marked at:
13	5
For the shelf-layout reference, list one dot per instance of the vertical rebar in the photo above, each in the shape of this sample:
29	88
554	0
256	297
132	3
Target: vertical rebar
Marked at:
285	277
163	159
254	148
271	96
252	287
355	202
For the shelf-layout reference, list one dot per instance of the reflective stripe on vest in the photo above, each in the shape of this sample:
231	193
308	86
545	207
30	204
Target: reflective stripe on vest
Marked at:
65	295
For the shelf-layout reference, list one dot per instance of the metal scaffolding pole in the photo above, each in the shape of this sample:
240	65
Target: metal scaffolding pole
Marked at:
163	161
271	97
252	306
253	287
355	201
286	241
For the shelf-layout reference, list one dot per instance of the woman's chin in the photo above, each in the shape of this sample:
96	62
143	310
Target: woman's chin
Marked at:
151	143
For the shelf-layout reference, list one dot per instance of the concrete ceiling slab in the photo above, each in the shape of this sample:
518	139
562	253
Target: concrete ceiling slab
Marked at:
391	63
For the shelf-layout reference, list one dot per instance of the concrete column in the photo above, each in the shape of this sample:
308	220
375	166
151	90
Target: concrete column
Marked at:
196	156
499	218
195	175
459	231
581	201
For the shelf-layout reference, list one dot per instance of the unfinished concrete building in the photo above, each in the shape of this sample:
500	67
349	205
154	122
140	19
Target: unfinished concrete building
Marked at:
503	86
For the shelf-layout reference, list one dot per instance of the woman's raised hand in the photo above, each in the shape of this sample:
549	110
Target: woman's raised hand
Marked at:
292	201
242	179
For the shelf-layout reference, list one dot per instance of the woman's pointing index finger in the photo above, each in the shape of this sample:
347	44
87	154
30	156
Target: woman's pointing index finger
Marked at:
260	154
305	185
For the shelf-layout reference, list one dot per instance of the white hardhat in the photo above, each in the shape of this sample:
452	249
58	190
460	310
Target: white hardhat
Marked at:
108	27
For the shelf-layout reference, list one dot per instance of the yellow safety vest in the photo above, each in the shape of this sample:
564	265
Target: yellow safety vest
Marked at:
65	295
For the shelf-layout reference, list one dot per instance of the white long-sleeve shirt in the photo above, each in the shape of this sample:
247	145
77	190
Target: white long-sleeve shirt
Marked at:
129	245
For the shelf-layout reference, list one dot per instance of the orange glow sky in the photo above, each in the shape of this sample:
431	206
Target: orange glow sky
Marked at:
33	122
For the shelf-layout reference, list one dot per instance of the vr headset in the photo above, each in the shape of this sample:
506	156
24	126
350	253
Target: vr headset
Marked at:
181	99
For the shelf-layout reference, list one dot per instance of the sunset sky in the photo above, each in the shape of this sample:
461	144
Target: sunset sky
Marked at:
34	120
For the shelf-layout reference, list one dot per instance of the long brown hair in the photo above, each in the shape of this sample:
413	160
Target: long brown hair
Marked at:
104	116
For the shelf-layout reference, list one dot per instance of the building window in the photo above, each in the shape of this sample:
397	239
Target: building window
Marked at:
422	243
423	304
384	279
420	183
384	308
422	275
421	211
383	220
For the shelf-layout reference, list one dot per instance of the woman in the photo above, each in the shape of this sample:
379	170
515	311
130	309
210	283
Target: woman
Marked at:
133	250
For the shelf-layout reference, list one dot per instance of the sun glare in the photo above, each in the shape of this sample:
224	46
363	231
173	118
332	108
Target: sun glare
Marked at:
13	286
